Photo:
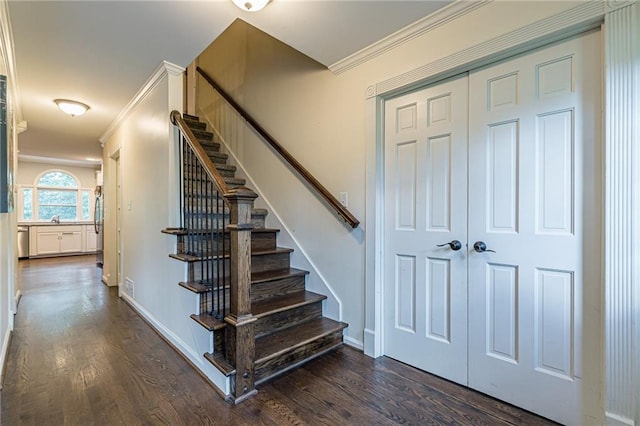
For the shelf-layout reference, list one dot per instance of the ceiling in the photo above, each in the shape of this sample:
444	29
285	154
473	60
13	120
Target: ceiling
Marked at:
102	52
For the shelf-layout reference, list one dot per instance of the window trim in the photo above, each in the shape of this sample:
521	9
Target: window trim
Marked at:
78	189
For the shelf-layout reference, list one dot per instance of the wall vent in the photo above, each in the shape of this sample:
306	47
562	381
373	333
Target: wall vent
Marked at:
129	287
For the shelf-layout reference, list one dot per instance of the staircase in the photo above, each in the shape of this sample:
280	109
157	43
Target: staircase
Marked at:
285	322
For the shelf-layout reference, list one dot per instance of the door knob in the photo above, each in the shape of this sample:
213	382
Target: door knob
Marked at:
454	245
481	247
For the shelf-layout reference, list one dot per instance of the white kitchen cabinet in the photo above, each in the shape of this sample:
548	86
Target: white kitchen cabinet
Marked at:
57	239
91	239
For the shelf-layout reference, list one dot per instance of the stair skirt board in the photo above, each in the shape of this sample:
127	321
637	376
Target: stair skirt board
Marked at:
289	329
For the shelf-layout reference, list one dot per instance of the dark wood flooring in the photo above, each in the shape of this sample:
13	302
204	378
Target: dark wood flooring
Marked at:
81	356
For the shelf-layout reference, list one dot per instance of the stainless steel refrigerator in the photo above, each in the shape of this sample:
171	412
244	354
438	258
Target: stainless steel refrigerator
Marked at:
98	223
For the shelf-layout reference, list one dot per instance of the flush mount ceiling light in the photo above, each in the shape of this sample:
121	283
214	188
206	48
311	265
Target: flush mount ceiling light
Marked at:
72	108
251	5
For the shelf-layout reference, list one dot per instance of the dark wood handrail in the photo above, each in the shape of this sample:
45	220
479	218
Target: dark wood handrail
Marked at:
209	167
324	192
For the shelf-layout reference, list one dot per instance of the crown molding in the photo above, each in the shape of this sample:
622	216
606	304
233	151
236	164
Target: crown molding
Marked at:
585	16
7	46
430	22
59	161
165	68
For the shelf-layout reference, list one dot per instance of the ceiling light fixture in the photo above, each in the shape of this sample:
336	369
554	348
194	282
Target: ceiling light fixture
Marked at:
72	108
251	5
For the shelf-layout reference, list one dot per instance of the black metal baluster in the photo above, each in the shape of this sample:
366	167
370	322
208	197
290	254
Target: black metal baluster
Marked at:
225	249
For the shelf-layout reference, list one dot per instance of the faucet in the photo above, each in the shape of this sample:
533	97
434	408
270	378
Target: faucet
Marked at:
55	218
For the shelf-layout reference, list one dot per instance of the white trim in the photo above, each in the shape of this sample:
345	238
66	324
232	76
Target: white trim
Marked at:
164	69
213	374
622	233
58	161
557	27
4	354
578	19
354	343
428	23
16	301
284	229
7	46
615	420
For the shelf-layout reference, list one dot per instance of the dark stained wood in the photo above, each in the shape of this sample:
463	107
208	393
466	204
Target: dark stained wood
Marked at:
277	283
270	260
209	322
199	151
306	175
239	333
81	356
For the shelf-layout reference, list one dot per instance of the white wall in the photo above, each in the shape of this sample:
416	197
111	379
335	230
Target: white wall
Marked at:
321	119
29	171
143	140
9	290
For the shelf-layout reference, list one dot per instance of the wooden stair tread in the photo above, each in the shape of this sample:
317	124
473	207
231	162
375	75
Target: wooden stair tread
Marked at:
209	322
276	344
190	117
276	304
220	363
183	231
202	134
259	277
195	286
189	258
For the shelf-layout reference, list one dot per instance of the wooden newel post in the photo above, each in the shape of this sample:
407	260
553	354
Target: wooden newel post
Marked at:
239	334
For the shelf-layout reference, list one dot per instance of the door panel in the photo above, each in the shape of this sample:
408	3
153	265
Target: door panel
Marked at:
426	166
508	161
534	164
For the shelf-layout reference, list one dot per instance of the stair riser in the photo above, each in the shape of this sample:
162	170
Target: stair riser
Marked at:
216	158
196	125
258	222
269	262
259	263
198	270
203	134
267	369
282	320
279	287
259	242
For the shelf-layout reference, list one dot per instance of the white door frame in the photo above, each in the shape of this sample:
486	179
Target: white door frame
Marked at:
620	21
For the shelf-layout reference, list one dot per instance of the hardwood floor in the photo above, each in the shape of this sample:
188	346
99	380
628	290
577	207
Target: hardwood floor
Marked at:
80	356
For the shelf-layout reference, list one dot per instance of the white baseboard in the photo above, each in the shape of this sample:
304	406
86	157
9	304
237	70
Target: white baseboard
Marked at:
197	360
4	354
105	280
16	301
616	420
354	343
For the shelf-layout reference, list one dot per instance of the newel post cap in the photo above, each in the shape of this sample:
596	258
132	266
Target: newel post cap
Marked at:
240	193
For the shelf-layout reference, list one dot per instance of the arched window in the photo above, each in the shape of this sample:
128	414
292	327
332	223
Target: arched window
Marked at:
56	194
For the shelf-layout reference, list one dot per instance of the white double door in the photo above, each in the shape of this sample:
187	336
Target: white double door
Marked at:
492	234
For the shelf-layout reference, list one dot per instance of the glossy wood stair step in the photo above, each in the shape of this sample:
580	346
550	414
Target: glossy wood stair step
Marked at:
220	363
183	231
191	117
230	181
278	313
209	322
277	282
203	134
290	348
256	255
193	124
274	305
